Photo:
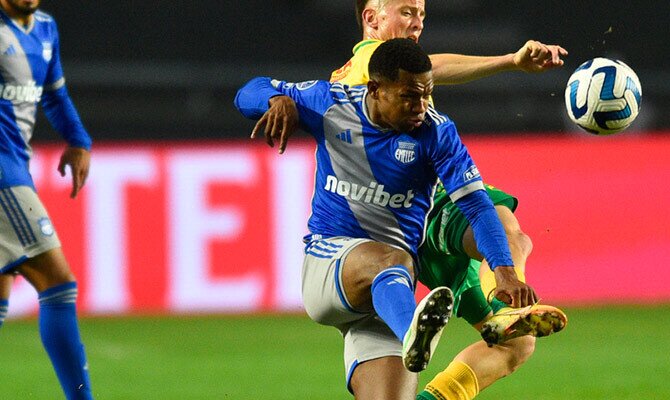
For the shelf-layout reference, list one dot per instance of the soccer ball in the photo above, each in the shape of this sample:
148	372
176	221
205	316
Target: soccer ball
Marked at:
603	96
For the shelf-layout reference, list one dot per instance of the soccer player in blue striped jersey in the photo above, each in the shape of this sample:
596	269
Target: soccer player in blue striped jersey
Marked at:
380	150
31	74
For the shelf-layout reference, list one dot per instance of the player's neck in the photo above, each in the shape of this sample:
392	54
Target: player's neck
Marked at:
19	16
369	33
371	37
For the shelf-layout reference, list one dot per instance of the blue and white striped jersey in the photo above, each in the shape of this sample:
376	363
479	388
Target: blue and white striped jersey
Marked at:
370	182
31	73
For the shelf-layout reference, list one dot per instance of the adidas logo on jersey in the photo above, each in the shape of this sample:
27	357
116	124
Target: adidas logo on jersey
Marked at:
28	93
344	136
10	51
372	194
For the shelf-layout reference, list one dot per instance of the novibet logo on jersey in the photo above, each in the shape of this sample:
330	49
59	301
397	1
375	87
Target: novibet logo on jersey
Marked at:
372	194
28	93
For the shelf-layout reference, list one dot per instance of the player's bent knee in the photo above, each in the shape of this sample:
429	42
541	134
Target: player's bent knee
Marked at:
521	349
396	257
373	257
522	241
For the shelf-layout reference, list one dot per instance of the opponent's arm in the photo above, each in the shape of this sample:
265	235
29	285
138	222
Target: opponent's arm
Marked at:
492	244
533	56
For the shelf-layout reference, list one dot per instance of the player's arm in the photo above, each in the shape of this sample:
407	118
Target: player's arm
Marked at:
281	106
493	245
275	112
533	56
63	116
462	181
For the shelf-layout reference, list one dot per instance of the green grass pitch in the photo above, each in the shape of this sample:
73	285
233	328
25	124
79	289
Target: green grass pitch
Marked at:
604	353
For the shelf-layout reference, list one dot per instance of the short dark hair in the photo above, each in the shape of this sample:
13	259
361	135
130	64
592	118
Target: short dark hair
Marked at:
396	54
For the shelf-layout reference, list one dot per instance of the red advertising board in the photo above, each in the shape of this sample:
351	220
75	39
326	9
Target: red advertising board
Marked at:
216	227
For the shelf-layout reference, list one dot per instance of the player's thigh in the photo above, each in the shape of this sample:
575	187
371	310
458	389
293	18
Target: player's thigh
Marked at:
27	235
364	263
460	274
373	362
384	378
437	267
322	289
47	270
473	305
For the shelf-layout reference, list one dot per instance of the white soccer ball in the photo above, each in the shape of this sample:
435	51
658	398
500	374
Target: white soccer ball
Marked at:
603	96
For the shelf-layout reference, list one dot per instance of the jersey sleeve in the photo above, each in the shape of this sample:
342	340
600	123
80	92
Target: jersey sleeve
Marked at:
489	232
312	98
54	78
58	106
453	164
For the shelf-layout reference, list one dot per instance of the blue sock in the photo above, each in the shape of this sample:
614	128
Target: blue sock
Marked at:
393	298
4	304
60	336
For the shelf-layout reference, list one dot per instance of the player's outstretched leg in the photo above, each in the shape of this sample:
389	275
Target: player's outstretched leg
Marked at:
537	320
430	317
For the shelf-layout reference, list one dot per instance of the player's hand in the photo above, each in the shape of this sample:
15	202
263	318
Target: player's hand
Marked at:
511	290
279	122
79	161
535	56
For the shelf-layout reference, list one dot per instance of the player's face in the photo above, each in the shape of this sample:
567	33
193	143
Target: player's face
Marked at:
402	105
22	7
401	19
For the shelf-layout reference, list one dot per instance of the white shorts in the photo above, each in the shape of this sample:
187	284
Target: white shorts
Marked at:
25	228
366	336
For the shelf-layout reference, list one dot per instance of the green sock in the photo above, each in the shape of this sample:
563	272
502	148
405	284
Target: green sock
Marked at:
425	396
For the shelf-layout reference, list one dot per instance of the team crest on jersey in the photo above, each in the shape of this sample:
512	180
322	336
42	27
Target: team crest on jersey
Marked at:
46	227
405	152
47	51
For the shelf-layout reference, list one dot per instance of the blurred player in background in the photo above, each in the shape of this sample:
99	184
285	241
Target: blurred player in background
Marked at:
380	149
449	255
31	73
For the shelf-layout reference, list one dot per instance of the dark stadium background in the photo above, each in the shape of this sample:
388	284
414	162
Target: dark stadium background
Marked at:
169	69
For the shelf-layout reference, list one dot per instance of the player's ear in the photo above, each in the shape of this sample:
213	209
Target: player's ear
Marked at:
369	18
373	89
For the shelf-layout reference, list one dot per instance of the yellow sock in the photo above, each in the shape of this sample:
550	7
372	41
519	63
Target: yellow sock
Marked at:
457	382
488	279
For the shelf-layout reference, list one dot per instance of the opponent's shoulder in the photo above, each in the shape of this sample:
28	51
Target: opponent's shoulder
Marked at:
366	46
355	71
